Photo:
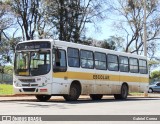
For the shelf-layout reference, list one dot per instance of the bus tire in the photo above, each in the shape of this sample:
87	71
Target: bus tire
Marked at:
74	93
124	93
43	98
96	96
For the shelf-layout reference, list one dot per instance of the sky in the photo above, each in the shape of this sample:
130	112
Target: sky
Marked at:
104	31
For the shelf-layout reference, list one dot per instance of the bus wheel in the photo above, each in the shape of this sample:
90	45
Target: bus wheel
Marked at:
73	94
96	96
124	92
43	98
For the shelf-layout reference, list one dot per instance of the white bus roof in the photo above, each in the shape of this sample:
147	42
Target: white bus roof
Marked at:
86	47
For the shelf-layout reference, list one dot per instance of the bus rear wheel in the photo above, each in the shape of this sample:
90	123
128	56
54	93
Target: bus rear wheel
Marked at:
43	98
73	94
96	96
124	93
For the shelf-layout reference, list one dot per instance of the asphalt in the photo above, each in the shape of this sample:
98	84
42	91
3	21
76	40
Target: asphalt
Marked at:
31	97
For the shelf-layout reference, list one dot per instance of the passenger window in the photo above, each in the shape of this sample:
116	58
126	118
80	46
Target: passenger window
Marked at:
133	65
124	64
143	66
87	59
112	62
100	61
73	57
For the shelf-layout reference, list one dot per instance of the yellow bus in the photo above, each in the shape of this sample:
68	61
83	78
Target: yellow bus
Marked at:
46	68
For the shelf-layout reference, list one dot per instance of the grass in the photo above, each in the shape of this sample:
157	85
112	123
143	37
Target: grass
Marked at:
6	89
136	94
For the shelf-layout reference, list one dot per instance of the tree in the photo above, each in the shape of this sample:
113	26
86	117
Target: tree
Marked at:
67	19
108	45
113	43
155	74
8	69
6	21
153	64
5	18
70	17
29	15
130	23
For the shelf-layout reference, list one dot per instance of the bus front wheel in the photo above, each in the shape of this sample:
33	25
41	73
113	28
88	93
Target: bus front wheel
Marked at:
124	93
73	94
43	98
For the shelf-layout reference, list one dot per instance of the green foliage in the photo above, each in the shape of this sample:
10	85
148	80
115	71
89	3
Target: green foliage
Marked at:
155	74
6	89
152	64
8	69
108	44
113	43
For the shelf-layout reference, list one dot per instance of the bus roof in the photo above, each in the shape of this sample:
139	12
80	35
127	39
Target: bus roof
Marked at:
85	47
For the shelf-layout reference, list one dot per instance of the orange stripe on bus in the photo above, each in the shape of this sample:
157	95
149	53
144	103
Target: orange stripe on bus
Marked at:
102	77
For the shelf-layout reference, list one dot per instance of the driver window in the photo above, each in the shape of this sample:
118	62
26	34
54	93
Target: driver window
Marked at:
59	60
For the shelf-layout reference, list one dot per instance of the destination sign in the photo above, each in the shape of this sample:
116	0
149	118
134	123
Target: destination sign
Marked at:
33	45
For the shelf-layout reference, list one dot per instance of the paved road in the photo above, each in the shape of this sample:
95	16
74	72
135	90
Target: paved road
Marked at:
84	106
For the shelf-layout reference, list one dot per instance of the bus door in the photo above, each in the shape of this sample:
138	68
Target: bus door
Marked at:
60	75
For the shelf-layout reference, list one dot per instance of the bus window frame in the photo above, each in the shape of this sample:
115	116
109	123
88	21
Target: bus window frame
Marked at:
133	65
87	59
100	61
124	64
74	57
143	66
113	62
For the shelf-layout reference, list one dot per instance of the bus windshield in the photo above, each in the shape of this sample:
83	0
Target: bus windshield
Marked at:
32	63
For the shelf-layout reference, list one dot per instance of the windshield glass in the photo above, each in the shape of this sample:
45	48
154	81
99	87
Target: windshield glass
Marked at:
32	63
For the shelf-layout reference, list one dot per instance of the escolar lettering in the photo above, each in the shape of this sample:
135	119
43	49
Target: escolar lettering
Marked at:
101	77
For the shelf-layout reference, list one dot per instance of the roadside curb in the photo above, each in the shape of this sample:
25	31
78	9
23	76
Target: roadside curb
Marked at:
60	98
130	95
14	95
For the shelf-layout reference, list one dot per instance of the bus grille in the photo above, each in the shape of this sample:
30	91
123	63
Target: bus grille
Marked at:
27	80
29	85
29	89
